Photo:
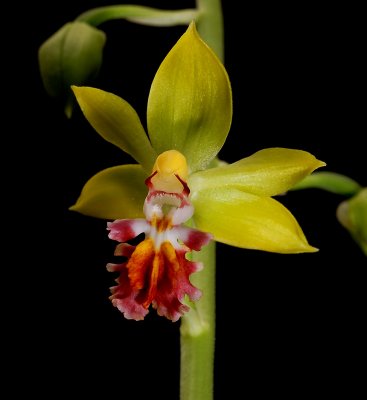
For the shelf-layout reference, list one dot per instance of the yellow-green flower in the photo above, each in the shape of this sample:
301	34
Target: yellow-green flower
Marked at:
189	112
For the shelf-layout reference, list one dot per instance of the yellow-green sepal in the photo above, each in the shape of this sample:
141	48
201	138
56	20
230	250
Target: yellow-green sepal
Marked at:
190	102
114	193
249	221
266	173
117	122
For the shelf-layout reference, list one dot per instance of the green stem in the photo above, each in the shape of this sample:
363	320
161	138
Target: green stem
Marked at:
198	325
198	333
138	14
210	25
331	182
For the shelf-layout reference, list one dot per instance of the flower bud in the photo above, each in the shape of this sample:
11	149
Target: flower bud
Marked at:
71	56
352	214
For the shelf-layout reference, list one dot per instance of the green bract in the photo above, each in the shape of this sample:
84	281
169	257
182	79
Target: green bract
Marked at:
190	110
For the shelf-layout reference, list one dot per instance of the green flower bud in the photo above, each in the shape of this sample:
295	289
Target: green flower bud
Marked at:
71	56
352	214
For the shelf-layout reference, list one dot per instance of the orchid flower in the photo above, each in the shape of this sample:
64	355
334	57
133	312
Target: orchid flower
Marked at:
179	194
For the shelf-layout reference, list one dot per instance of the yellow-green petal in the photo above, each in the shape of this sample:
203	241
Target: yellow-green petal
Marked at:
190	102
245	220
117	192
265	173
117	122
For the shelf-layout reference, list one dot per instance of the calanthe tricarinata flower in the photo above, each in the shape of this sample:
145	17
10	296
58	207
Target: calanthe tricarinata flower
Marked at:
179	180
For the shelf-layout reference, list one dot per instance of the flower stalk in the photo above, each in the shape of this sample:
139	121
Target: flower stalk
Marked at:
198	325
210	25
198	333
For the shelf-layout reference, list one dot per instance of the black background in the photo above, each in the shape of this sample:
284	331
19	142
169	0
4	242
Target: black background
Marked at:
286	324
